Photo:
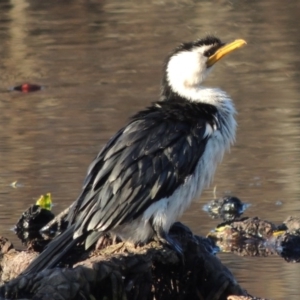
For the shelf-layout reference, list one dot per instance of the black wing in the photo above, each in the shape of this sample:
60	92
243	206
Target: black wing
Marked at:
145	161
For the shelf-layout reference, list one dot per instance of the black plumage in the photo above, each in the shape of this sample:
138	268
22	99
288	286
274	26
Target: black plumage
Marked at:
145	161
212	41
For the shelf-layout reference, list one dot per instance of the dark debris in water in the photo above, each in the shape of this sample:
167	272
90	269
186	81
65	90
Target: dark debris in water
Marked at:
256	237
28	226
227	208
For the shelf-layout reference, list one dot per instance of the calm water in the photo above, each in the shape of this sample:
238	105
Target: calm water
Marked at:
101	61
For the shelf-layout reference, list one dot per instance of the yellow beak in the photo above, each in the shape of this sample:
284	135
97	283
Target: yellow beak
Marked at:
228	48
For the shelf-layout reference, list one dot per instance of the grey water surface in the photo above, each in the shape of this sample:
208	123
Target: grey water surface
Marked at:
100	61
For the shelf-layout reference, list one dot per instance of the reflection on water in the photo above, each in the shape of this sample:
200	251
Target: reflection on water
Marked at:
101	61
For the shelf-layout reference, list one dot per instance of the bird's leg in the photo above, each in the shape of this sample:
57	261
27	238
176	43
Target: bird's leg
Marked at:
107	240
103	242
165	238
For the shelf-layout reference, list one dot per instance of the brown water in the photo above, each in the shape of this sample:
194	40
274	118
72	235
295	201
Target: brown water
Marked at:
101	61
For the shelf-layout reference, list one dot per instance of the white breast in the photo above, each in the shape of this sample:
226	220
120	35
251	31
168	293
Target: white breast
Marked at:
166	211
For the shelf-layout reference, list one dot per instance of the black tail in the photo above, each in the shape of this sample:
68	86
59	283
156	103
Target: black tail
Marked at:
54	252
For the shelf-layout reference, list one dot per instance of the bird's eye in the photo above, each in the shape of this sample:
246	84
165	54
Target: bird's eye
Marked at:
213	49
209	52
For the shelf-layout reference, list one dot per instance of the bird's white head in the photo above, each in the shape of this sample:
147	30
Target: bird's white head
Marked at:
189	64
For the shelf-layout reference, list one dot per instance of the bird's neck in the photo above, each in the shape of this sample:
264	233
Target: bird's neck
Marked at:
196	94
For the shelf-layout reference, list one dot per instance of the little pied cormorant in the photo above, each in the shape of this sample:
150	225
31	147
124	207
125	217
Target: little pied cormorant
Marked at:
150	170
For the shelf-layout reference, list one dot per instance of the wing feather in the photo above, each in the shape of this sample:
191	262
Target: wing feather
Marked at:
144	162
